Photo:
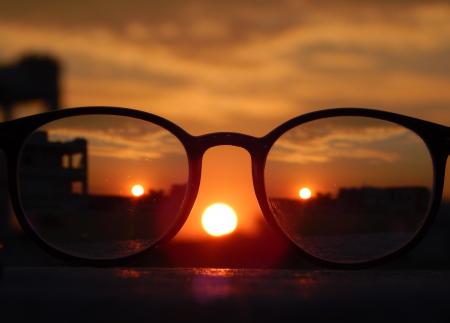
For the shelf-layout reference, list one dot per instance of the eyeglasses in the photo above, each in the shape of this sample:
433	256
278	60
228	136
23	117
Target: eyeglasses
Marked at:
347	186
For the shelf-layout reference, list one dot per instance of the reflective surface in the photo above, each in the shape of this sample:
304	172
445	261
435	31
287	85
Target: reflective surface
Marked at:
370	182
78	178
223	295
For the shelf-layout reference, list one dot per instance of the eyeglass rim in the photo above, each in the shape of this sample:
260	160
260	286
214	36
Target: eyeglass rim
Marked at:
435	136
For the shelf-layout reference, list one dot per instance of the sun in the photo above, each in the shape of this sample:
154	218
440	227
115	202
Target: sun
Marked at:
219	219
305	193
137	190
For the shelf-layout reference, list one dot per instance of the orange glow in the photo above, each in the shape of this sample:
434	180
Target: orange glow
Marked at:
219	219
202	81
137	190
128	274
305	193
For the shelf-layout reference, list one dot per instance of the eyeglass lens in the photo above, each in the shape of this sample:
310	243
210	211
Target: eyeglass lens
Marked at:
102	186
349	189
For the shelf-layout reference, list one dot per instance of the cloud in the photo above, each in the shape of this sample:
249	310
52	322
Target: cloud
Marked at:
228	66
242	65
322	143
132	141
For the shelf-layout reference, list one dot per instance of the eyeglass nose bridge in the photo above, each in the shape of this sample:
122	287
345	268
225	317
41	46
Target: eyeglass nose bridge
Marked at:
247	142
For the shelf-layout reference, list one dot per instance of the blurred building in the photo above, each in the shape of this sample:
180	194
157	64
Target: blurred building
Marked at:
408	199
355	210
53	169
33	77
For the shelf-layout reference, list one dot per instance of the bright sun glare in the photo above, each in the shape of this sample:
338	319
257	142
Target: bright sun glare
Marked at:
137	190
219	219
305	193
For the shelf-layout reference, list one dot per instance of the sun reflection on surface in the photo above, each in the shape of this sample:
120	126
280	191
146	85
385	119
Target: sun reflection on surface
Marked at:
128	273
210	288
215	272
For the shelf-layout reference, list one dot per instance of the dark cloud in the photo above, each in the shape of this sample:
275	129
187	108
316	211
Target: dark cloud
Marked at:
364	59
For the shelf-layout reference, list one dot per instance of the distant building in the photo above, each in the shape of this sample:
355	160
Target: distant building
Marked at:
355	210
32	77
408	199
53	169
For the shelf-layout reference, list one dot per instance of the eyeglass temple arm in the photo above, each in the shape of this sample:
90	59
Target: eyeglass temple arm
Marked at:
11	134
5	137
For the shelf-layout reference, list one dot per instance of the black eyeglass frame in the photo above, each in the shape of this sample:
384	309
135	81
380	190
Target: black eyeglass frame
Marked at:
13	135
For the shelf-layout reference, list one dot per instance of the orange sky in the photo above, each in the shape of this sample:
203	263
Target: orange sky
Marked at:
239	66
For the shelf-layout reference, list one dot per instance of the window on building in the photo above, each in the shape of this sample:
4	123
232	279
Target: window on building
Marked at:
77	161
77	187
65	161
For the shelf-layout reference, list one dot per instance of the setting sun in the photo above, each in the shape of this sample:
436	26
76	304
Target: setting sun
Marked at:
137	190
305	193
219	219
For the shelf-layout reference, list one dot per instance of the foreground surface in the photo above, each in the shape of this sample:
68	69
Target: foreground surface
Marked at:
46	294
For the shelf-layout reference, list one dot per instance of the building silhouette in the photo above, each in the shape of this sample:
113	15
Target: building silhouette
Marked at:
32	77
410	199
51	168
355	210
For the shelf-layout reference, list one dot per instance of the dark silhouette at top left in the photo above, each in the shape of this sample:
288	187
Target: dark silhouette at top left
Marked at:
30	78
33	77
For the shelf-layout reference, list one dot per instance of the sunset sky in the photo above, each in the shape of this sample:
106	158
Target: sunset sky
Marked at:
242	66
